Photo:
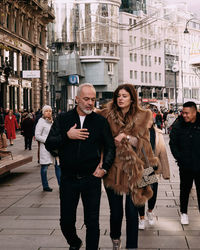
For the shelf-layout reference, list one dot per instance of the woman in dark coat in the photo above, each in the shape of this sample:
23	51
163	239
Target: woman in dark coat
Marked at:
27	130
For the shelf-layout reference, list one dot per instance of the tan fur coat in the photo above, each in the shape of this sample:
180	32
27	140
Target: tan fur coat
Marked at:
128	166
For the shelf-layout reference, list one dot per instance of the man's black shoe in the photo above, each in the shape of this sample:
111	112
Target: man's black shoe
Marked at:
76	247
47	189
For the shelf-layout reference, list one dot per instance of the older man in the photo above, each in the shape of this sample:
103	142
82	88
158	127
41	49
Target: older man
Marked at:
185	147
80	135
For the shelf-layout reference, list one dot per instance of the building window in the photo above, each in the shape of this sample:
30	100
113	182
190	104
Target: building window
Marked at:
160	77
155	59
142	60
104	10
149	61
130	39
131	74
149	77
135	39
159	60
156	76
142	76
135	74
131	57
145	60
110	68
146	77
135	57
130	21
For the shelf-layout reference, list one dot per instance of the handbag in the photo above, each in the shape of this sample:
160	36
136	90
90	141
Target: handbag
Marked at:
149	176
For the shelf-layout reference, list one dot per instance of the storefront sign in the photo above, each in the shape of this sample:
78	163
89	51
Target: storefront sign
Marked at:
31	73
26	84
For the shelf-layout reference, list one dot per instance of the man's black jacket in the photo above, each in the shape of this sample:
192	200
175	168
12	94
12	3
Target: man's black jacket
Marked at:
185	143
81	156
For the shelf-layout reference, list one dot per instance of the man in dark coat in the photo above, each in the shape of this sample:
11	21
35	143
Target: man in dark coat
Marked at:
79	136
185	147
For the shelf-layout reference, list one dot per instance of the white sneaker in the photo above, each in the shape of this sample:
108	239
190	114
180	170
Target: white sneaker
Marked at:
184	219
150	218
141	225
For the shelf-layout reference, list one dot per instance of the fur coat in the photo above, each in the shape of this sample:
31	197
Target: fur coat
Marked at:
129	163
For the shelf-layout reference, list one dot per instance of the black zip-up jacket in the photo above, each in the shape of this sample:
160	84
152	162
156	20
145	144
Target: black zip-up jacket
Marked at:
185	143
81	157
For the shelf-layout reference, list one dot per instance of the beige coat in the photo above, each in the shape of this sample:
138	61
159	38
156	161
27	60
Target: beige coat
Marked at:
161	153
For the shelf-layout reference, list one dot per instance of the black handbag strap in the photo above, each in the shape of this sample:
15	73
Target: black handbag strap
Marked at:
145	156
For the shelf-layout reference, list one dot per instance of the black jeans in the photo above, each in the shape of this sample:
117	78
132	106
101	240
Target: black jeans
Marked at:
116	217
186	180
152	201
89	188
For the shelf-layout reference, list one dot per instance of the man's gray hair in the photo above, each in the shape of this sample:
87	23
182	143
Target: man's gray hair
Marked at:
84	85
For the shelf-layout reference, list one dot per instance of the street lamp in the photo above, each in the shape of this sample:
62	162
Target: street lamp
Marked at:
52	86
175	69
186	31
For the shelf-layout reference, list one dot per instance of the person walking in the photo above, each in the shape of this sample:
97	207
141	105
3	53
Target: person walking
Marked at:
129	125
10	126
170	119
41	132
159	120
79	136
27	130
159	149
185	147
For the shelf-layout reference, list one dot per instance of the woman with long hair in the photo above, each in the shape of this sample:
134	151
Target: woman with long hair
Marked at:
129	125
41	132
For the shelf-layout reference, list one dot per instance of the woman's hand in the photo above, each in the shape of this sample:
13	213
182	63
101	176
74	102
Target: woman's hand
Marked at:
119	137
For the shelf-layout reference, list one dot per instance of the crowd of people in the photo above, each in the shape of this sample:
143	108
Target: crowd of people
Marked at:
117	144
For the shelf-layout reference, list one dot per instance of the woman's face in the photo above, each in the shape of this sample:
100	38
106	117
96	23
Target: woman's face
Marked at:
123	99
47	113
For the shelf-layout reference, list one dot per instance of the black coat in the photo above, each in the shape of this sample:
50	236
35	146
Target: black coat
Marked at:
27	127
81	156
185	143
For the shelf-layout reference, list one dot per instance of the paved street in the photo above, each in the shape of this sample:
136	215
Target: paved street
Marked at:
29	218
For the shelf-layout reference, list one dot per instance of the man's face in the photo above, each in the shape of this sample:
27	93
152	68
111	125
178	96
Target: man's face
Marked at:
86	100
189	114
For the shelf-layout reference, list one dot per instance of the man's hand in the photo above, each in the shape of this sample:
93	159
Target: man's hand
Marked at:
99	172
77	134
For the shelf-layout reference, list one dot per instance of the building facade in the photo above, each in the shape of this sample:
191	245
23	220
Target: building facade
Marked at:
23	48
85	35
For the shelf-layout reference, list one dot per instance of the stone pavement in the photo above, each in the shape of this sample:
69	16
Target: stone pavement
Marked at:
29	218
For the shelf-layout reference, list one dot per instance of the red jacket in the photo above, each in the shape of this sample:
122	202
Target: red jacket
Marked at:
10	126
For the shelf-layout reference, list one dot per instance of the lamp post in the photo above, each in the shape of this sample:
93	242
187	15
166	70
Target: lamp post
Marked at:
186	31
175	69
52	86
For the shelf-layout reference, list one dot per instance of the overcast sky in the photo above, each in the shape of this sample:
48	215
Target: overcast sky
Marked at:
194	5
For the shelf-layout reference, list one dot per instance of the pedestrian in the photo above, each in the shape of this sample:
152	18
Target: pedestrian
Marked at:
159	149
129	125
18	117
38	115
3	140
80	135
10	126
185	147
170	119
159	120
27	130
41	132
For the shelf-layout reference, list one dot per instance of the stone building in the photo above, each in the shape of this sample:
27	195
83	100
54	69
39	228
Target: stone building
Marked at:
23	48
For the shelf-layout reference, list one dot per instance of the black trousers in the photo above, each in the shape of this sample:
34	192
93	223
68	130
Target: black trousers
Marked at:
89	189
28	141
152	201
116	217
186	181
